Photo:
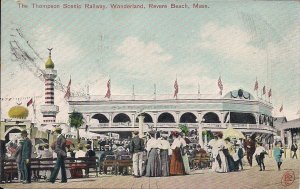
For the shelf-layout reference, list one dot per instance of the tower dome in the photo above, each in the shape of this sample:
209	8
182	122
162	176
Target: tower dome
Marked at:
49	64
19	112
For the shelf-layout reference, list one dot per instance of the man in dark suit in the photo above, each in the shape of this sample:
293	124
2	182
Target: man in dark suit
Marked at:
60	150
25	157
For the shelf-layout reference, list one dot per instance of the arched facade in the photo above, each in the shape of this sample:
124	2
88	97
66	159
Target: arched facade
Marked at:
121	118
188	117
147	118
166	118
211	117
101	118
242	118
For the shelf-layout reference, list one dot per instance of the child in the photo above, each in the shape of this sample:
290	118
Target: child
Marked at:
278	154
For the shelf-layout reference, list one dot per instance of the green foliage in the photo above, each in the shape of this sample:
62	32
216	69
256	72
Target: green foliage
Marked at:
184	129
76	119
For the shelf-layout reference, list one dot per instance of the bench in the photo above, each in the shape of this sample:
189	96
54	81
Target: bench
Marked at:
202	160
90	164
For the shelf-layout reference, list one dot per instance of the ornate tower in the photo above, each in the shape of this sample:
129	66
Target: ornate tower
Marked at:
49	110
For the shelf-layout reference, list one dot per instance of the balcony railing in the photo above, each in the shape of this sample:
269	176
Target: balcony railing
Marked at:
189	125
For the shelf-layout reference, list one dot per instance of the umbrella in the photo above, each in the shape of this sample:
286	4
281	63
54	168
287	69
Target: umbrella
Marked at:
233	133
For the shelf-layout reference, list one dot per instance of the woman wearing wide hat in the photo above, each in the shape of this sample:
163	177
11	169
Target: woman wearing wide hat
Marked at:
153	146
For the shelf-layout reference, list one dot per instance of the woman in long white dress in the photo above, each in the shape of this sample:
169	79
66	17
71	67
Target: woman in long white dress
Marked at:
185	158
153	146
222	164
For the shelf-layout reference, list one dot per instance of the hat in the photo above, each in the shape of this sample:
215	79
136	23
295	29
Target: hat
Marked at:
135	132
175	133
24	132
57	129
106	146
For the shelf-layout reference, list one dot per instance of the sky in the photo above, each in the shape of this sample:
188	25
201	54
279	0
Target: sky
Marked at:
239	41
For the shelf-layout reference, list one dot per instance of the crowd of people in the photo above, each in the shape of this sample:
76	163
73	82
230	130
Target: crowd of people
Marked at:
154	155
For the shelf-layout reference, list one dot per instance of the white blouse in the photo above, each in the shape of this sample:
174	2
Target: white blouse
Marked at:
165	145
177	143
152	143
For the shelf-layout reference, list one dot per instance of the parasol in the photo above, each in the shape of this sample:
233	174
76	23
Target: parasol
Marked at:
233	133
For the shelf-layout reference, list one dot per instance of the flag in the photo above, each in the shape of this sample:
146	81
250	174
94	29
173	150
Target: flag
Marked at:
256	85
220	85
270	93
29	102
281	108
68	92
176	88
108	93
264	90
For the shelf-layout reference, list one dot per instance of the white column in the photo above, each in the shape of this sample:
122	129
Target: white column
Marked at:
133	120
222	120
177	117
282	137
257	119
199	120
289	138
155	120
110	120
141	126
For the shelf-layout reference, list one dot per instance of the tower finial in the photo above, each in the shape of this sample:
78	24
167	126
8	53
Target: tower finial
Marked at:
49	51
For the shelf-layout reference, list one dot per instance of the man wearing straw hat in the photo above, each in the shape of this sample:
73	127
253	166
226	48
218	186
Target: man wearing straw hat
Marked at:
60	149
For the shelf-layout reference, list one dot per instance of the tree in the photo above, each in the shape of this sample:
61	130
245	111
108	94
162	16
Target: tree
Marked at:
76	121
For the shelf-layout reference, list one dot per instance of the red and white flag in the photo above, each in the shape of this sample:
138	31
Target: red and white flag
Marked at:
108	93
256	85
220	85
270	93
281	108
176	88
264	90
68	92
29	102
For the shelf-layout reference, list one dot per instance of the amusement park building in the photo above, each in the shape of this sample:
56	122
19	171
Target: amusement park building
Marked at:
120	114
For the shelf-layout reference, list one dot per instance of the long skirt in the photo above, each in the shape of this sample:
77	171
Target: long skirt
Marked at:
165	168
186	165
224	164
153	168
176	165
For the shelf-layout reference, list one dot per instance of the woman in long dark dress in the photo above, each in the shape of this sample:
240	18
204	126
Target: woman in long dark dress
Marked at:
176	165
165	151
153	168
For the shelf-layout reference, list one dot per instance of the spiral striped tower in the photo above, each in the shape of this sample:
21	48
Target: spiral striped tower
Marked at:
49	109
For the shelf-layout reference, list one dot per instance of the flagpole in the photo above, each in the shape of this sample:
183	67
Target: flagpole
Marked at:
133	96
154	91
198	90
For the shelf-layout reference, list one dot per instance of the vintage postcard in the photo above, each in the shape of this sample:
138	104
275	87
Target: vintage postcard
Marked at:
150	94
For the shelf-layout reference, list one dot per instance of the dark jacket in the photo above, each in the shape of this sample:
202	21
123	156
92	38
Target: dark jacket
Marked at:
26	149
60	147
90	153
136	145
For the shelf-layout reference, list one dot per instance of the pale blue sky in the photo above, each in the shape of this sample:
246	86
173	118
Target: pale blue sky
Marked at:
239	40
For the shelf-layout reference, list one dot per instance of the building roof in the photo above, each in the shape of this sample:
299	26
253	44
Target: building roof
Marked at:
279	121
49	63
290	124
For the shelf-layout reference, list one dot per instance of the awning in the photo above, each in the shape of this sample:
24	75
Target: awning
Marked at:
290	125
